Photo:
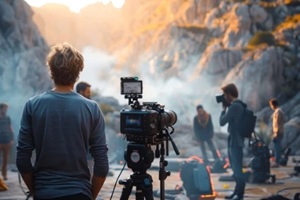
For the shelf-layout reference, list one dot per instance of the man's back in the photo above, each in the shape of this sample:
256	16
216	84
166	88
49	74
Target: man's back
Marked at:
278	121
64	125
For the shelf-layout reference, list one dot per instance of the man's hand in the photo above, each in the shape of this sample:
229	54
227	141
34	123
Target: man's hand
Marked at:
97	183
224	107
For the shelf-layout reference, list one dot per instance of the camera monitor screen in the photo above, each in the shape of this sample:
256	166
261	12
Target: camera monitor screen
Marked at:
133	121
131	87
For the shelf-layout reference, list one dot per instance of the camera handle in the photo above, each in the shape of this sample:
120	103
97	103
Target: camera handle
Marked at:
133	100
171	140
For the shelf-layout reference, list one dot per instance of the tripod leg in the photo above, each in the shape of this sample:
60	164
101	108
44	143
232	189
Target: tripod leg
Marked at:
144	191
139	194
144	186
126	191
148	193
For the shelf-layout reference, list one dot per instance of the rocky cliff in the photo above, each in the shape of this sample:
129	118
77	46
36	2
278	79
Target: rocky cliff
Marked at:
184	49
22	57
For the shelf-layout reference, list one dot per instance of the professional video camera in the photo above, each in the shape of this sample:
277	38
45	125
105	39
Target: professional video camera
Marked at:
144	125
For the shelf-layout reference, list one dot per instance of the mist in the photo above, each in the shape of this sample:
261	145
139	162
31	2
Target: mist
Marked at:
179	93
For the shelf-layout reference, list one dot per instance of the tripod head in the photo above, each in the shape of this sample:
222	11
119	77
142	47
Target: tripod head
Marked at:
139	157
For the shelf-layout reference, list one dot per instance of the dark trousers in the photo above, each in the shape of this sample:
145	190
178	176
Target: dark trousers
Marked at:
236	162
212	148
79	196
277	149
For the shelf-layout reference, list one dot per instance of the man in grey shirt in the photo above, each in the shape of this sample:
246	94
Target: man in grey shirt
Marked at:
62	127
231	114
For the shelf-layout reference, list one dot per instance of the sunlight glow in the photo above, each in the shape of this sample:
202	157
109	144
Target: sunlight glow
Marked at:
75	5
118	3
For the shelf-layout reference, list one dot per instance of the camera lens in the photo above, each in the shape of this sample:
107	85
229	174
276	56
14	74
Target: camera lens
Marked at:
168	118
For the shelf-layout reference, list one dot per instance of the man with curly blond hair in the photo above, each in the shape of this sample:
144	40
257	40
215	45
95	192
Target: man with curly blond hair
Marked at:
62	127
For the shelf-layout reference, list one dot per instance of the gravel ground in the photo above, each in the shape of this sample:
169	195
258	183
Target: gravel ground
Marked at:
284	181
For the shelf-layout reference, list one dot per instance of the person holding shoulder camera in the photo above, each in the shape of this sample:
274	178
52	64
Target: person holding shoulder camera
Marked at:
232	111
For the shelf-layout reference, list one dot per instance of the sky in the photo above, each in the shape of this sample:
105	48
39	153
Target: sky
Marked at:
75	5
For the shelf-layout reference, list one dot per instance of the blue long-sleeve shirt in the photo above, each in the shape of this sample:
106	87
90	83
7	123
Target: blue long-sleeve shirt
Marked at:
62	128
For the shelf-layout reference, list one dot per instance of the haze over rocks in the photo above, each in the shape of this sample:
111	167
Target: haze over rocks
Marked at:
22	57
184	51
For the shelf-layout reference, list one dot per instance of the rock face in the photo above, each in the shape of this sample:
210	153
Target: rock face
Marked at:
191	48
23	50
23	72
269	76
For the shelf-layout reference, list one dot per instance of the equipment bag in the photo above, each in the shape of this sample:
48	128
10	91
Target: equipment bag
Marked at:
196	178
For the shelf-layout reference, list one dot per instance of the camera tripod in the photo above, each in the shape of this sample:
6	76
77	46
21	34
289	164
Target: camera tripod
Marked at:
139	158
143	183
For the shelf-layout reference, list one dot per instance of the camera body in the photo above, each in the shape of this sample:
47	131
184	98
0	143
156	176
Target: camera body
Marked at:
143	124
220	98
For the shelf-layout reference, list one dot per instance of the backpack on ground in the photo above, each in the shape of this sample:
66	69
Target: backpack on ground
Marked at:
247	123
196	179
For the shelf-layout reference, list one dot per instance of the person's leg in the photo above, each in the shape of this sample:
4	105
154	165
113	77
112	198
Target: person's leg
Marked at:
213	149
203	150
232	166
277	149
2	152
6	151
237	167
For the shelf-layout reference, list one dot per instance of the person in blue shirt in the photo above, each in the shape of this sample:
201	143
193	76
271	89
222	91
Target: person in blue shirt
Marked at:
62	126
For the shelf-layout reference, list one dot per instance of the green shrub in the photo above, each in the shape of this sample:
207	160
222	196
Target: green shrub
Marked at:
262	38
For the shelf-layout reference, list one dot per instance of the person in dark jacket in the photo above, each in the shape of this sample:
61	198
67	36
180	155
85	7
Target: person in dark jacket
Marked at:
231	114
204	132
